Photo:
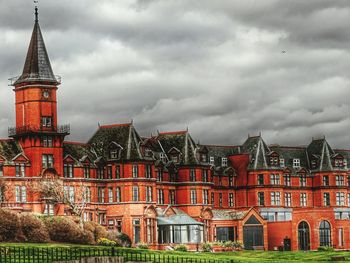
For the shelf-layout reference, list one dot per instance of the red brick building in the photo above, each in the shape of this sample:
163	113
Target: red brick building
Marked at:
167	189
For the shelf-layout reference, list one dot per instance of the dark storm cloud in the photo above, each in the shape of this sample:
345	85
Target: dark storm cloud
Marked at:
216	67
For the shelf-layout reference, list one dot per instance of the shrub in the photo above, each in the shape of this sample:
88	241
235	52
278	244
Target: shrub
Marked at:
228	244
97	231
142	245
206	247
325	248
238	244
218	243
9	225
106	242
33	229
181	247
63	229
122	239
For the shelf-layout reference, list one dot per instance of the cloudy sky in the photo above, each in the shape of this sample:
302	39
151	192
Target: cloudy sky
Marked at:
222	68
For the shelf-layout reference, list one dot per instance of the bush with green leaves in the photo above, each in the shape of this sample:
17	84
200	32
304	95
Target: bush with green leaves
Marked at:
106	242
181	247
325	248
207	247
142	245
122	239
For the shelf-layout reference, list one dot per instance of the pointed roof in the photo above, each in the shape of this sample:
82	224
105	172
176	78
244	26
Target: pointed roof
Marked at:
320	149
37	66
258	151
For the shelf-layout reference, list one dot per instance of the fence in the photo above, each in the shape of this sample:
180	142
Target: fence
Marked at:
51	254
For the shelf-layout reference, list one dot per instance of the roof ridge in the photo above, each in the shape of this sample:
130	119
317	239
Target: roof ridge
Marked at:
75	142
173	132
107	126
217	145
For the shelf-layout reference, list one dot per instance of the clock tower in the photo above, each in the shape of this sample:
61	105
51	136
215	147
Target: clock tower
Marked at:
37	127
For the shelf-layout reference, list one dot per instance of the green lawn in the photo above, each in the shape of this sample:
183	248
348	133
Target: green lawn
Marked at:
241	256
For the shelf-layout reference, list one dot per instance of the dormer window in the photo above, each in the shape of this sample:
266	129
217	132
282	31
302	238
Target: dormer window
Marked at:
162	157
113	154
274	161
211	160
345	163
313	164
224	161
296	163
114	151
282	164
204	158
148	152
175	158
338	163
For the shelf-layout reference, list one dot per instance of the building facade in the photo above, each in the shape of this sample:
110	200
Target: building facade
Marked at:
167	189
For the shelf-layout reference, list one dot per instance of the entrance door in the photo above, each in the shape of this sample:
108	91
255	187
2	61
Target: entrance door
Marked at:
287	244
304	236
253	233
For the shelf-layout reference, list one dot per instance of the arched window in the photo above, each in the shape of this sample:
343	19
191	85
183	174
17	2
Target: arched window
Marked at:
325	234
304	236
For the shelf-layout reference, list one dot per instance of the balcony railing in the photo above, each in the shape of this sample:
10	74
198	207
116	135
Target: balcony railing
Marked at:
14	79
61	129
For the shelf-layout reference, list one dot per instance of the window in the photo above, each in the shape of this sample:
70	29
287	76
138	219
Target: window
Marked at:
135	171
338	162
102	218
275	179
260	179
204	158
148	171
211	160
149	191
86	171
135	194
230	200
230	180
69	193
296	163
110	195
159	175
172	199
212	198
302	180
326	199
46	121
220	199
339	199
325	234
109	172
341	237
193	196
100	172
149	230
46	141
282	164
20	170
339	180
287	179
348	180
160	196
47	161
325	180
117	172
205	175
87	194
162	157
101	194
274	161
192	175
49	210
303	199
1	170
119	225
275	198
136	229
224	161
175	158
273	216
287	199
68	170
118	195
205	197
21	194
261	198
348	199
114	153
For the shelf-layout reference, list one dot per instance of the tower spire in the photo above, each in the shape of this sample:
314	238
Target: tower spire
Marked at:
36	13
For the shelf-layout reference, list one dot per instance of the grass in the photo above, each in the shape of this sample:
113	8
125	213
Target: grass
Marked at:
239	256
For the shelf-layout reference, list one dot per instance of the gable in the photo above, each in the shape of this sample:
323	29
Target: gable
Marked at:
252	220
20	158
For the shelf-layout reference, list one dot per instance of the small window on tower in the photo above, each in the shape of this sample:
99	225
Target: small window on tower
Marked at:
46	94
46	121
46	141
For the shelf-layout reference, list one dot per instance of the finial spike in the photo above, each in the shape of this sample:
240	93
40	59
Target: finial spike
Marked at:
36	11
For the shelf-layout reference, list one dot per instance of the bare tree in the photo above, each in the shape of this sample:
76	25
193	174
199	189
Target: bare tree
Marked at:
55	191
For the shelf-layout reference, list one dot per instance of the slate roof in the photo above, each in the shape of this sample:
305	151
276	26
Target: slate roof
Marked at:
258	151
78	151
124	135
37	66
321	150
290	153
9	149
219	151
182	141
